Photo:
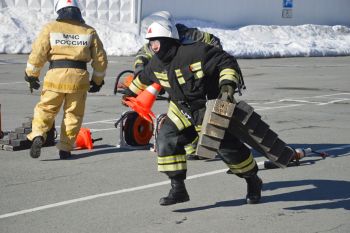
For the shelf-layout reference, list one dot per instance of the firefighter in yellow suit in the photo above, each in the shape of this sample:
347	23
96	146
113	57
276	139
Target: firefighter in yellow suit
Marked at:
68	44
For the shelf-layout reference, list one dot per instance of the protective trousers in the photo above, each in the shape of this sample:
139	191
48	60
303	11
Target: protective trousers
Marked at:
198	116
47	109
172	155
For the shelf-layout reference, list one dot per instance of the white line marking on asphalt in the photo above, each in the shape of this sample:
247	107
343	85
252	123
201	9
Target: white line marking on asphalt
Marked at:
11	83
62	203
12	214
259	108
283	106
334	101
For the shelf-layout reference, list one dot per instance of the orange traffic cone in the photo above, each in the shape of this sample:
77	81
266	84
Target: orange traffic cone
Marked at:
143	103
84	140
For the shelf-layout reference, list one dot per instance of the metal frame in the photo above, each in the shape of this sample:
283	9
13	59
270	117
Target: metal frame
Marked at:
120	123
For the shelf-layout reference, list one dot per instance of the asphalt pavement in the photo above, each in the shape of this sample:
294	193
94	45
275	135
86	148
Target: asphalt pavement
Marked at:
117	189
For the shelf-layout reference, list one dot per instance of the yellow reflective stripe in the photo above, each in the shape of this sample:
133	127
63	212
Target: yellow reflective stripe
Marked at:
148	51
228	71
34	69
176	120
161	76
134	88
137	86
172	163
228	77
138	61
164	83
171	159
181	80
98	74
195	140
199	74
64	86
178	73
207	37
181	116
179	76
198	128
190	149
138	83
163	79
196	66
172	167
244	166
197	69
229	74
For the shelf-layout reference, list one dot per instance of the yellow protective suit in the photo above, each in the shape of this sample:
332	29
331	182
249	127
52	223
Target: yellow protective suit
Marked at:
65	40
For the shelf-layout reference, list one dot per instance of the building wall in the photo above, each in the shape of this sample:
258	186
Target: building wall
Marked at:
226	12
111	10
256	12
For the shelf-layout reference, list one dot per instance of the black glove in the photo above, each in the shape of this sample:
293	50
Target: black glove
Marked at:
226	93
127	93
94	87
33	82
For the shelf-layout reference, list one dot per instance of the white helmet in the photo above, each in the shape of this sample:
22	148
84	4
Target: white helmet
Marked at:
66	3
163	15
162	28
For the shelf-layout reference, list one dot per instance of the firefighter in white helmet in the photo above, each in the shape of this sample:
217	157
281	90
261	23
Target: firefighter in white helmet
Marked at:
186	35
68	44
192	74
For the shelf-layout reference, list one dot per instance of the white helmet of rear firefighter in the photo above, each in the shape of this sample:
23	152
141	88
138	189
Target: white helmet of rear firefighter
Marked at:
66	3
162	29
163	15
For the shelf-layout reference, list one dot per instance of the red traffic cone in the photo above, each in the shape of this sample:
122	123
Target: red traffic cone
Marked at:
143	103
84	140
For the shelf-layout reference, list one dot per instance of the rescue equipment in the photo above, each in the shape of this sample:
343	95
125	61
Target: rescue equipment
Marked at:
241	120
84	140
143	103
135	131
123	81
299	154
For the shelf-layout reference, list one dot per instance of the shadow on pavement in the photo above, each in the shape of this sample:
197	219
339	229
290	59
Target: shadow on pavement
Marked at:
98	150
334	194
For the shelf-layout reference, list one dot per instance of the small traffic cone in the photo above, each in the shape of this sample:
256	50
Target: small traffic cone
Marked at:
84	140
143	103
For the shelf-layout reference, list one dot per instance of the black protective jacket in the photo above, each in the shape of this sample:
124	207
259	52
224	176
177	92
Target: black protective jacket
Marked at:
193	76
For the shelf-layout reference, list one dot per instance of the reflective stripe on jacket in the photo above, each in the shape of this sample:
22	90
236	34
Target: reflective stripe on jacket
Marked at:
192	77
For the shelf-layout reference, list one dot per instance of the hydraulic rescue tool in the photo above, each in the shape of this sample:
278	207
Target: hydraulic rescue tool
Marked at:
241	120
135	131
299	154
124	79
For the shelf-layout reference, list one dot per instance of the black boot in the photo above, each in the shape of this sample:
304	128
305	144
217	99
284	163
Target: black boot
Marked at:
254	184
35	150
177	193
65	154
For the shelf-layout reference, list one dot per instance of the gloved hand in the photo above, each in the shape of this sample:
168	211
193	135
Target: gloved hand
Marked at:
94	87
226	93
127	93
33	82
